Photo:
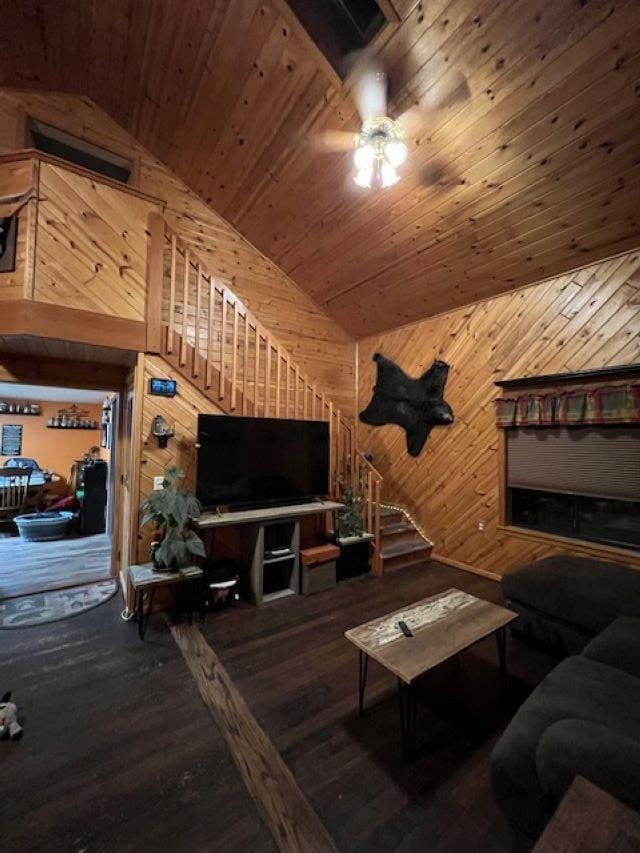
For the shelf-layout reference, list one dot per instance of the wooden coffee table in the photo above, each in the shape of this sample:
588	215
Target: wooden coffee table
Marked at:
442	626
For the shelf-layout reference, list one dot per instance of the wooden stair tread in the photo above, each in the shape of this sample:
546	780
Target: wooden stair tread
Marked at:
416	559
387	511
400	548
398	527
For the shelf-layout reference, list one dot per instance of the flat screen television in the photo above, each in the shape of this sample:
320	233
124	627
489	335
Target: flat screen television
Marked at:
246	462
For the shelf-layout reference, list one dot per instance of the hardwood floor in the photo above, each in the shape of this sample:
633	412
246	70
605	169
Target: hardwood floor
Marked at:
298	675
121	753
28	567
284	809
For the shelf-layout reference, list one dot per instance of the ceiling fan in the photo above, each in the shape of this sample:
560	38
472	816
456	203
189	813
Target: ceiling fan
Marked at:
380	147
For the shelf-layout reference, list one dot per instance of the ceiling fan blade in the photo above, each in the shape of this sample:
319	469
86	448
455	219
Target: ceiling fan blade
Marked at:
449	92
414	121
370	92
330	141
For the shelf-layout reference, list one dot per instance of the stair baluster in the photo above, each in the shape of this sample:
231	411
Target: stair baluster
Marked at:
243	366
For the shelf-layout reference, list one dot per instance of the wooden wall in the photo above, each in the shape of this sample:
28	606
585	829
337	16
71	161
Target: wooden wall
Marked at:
317	343
584	320
181	411
91	245
17	180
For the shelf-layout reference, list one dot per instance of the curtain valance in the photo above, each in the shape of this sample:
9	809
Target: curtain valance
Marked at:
616	404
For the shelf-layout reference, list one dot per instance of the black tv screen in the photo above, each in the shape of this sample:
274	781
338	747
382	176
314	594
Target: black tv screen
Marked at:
258	461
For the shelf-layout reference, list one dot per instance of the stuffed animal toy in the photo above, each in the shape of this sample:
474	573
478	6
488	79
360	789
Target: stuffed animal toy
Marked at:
9	725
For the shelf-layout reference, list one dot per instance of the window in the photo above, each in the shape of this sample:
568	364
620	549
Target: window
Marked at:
340	27
581	482
71	148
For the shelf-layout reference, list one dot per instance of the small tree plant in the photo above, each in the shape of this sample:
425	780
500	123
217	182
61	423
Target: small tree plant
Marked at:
350	521
172	510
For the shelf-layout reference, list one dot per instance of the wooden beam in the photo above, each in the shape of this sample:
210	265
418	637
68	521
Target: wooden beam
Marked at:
25	317
33	153
290	818
155	273
61	373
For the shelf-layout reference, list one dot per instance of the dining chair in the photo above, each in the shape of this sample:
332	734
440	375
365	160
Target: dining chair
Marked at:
14	488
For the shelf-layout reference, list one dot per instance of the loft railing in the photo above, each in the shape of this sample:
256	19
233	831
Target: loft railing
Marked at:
206	332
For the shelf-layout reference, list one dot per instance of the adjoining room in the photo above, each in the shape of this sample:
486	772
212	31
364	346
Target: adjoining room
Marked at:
56	490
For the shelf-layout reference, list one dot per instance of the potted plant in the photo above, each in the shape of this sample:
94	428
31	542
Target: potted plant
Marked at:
350	521
172	510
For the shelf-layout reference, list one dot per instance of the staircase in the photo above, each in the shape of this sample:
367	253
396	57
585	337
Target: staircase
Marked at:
211	339
402	544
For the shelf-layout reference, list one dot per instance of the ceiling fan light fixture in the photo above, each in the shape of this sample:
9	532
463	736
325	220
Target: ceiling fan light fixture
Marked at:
395	152
388	175
363	156
379	149
363	177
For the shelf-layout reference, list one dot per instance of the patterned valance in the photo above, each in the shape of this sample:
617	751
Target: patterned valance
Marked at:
616	404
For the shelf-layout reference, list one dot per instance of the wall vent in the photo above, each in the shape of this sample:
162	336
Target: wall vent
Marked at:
73	149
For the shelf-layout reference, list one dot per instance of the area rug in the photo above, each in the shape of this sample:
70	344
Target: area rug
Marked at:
53	606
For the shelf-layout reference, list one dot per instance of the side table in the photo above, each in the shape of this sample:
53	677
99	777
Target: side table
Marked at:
145	580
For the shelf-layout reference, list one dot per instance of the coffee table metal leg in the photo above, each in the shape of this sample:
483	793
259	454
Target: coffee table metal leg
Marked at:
408	701
363	664
501	642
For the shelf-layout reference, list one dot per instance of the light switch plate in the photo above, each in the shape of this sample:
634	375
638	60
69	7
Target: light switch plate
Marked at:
157	483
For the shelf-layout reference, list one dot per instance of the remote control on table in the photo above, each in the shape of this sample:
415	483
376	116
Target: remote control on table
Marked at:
406	630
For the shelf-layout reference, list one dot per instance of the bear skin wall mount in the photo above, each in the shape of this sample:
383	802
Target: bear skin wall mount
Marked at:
417	405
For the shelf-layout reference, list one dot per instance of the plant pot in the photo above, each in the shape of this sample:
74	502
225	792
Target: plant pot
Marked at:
160	567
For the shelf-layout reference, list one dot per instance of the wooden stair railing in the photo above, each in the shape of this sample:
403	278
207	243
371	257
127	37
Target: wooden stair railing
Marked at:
205	332
368	483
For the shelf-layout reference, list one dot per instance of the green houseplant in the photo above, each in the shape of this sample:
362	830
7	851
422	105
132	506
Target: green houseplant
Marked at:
350	521
172	510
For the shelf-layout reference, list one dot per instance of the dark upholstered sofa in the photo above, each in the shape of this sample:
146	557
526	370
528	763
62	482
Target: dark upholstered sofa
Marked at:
563	602
584	718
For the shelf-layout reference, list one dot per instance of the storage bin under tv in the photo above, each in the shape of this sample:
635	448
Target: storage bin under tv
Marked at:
355	555
267	578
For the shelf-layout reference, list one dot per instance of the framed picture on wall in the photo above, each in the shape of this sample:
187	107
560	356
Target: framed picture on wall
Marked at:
11	441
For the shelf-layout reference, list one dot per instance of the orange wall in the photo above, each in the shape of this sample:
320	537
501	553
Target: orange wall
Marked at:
55	449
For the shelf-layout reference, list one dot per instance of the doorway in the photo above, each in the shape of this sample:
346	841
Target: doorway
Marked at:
58	459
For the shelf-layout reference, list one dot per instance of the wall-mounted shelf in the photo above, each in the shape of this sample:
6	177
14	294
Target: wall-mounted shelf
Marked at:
22	414
90	428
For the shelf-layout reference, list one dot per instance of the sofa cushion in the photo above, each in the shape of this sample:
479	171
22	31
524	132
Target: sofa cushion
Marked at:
618	645
576	590
610	760
577	689
546	631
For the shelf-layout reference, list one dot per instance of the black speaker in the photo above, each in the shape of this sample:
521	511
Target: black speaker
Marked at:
92	486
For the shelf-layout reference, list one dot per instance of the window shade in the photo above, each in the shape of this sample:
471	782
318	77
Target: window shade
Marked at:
595	461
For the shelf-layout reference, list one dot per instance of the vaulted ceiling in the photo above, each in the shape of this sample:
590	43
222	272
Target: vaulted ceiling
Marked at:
527	163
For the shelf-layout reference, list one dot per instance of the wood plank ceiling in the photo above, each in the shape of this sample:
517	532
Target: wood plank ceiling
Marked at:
527	163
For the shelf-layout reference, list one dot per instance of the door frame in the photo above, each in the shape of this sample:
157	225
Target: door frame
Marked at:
91	376
130	448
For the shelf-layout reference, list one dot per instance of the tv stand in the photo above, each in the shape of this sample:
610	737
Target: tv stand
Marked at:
254	516
266	578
